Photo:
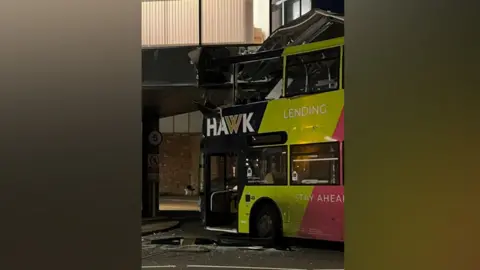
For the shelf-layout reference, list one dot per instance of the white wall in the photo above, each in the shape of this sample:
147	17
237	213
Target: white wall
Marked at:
261	16
306	6
182	123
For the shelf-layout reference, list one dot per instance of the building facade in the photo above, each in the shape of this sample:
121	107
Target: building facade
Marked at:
168	24
180	153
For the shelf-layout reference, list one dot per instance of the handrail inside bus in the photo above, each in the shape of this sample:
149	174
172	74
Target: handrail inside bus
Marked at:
215	193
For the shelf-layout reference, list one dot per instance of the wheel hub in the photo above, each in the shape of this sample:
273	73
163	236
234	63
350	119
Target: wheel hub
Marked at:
265	225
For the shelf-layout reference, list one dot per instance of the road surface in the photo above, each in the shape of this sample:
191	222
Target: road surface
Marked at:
203	257
237	258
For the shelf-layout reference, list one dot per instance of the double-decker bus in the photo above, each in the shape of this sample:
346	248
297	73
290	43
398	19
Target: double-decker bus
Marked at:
273	160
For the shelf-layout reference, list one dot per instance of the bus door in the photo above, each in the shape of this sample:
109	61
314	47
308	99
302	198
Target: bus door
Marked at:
221	190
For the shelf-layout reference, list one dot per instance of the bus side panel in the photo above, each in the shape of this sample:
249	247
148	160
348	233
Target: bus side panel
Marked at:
307	119
314	212
291	199
292	210
323	216
244	207
307	212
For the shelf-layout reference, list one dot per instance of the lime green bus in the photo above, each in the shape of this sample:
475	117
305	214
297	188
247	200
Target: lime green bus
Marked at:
273	166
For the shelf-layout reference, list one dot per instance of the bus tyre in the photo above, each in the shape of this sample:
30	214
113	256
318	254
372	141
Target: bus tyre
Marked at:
267	223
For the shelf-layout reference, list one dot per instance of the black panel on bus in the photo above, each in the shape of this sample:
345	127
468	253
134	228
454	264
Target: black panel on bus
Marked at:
267	138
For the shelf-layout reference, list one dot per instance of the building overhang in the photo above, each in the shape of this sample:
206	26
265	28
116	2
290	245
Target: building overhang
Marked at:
172	100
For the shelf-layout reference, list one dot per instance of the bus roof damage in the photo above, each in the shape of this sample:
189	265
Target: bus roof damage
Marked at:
215	64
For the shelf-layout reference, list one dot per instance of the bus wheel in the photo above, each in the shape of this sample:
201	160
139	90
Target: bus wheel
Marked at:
267	223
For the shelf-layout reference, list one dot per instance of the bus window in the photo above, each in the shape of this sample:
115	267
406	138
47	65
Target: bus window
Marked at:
217	173
313	72
343	67
267	166
343	163
254	80
223	172
315	164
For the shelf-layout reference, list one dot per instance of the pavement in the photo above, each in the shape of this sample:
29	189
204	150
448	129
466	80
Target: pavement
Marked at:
172	210
179	203
159	226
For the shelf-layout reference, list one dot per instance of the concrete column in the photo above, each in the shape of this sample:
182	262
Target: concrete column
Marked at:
151	140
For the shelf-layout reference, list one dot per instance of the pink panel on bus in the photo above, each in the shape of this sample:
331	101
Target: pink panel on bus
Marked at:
323	218
338	134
